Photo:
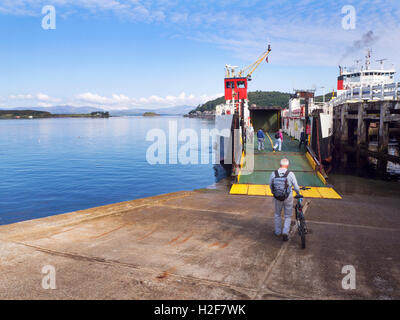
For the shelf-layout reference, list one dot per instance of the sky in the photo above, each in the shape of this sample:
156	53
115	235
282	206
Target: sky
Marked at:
124	54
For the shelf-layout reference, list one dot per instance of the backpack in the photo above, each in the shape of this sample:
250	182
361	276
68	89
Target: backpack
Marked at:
280	186
277	135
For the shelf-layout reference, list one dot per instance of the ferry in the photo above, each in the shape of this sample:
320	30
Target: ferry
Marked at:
237	121
359	82
357	77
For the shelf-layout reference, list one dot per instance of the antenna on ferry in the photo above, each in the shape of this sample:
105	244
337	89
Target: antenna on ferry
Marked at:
357	63
368	59
381	61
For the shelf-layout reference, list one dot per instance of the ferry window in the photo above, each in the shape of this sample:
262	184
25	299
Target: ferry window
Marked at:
230	85
241	85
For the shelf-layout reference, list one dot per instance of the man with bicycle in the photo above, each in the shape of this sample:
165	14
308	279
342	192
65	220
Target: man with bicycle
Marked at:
281	183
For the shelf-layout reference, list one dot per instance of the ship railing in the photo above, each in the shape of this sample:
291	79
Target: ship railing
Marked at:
373	92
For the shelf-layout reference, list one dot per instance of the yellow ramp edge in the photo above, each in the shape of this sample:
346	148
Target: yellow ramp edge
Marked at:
239	189
257	190
329	193
312	193
265	190
311	160
321	177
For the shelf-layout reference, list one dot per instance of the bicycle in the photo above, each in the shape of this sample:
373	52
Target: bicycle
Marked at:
300	219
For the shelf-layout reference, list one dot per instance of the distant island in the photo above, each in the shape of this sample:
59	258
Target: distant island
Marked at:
150	114
34	114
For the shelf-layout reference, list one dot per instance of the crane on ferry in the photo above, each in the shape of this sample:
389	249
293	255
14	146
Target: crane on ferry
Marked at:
251	68
247	72
236	83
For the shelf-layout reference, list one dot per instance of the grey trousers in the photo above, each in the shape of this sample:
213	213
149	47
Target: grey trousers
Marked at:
287	206
260	144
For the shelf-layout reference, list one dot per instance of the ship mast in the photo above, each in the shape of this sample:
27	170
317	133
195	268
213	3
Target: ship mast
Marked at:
368	59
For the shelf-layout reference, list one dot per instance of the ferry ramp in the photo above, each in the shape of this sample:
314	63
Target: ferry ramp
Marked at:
267	161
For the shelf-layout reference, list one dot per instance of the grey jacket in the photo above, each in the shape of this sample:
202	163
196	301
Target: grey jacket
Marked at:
292	181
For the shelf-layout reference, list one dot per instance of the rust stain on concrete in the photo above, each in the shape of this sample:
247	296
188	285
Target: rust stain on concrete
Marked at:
186	239
166	273
111	231
176	241
149	234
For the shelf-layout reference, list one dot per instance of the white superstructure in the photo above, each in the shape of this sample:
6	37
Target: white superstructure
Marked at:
364	76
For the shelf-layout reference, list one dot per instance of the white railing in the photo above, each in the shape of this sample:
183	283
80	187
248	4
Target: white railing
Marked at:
376	93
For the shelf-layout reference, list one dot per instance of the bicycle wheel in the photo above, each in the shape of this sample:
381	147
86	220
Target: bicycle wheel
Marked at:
302	230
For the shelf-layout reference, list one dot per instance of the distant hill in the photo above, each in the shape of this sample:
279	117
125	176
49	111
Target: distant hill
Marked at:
178	110
260	98
64	109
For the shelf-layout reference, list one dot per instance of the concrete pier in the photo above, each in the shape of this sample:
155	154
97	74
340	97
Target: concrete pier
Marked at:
204	244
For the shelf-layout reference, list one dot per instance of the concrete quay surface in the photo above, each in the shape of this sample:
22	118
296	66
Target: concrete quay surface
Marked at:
204	244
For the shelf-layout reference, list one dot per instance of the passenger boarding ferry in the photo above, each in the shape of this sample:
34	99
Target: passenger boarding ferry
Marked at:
236	121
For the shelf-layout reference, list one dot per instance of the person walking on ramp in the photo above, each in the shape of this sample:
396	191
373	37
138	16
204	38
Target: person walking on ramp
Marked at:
303	139
278	140
261	138
281	183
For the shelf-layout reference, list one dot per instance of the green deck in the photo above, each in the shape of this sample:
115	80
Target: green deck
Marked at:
268	161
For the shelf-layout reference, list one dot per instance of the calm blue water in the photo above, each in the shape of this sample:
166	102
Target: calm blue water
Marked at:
53	166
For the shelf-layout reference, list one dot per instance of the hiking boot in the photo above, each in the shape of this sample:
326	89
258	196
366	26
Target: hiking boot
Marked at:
285	237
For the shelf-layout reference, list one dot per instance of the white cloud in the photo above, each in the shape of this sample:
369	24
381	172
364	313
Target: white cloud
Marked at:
132	9
42	97
113	102
304	32
93	98
32	97
21	97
